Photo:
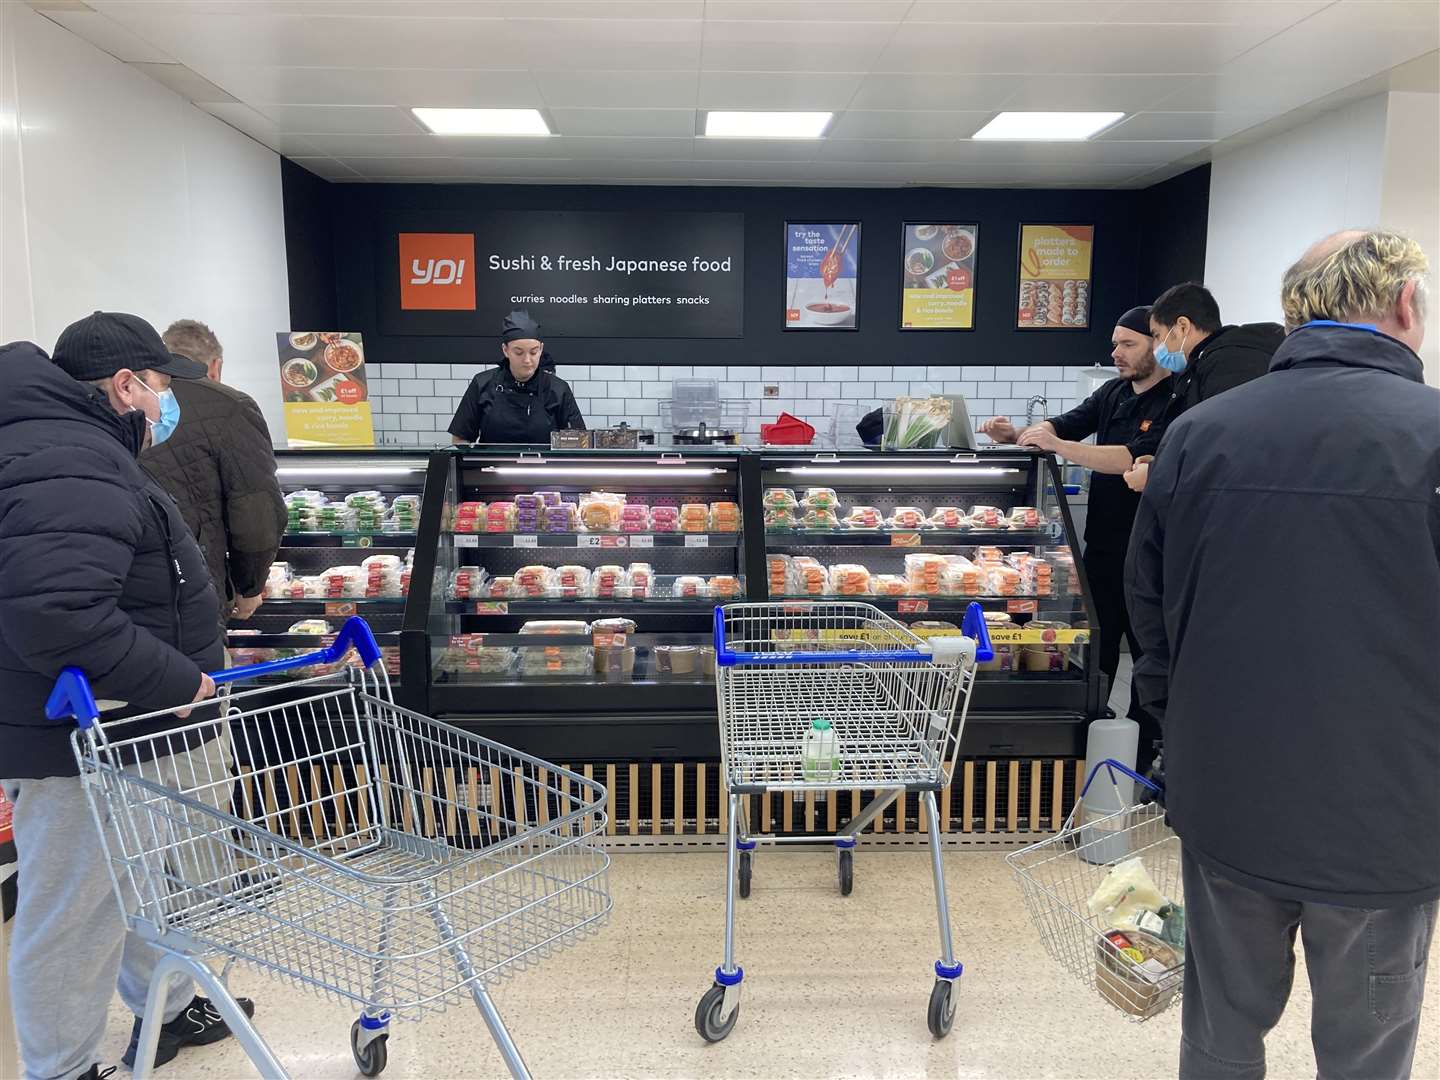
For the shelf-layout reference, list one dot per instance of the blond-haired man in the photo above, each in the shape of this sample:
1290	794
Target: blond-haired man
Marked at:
1301	776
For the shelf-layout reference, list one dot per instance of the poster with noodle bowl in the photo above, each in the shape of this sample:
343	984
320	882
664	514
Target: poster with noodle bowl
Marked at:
324	388
938	276
822	276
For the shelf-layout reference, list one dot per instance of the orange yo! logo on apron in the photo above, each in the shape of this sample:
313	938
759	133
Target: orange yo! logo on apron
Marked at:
437	271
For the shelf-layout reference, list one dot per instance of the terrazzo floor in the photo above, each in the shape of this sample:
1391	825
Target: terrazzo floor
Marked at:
834	987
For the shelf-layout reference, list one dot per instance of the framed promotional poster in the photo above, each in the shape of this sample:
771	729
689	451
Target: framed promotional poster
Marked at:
323	385
1055	265
938	276
822	276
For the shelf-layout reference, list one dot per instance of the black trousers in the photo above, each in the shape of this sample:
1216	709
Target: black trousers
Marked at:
1367	979
1106	571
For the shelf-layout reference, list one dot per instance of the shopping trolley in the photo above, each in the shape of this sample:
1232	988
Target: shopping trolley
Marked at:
1059	876
896	704
319	832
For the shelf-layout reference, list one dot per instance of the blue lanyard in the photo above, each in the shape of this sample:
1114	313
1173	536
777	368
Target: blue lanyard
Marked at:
1369	328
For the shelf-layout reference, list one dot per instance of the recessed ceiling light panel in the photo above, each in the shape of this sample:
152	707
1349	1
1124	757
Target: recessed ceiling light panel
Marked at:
766	125
483	121
1047	126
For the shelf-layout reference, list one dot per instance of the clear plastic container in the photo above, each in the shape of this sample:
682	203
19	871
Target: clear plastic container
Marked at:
811	578
724	517
820	498
724	587
1024	517
986	517
907	517
532	581
864	517
849	579
922	572
694	518
640	578
820	520
500	517
948	517
961	577
689	586
889	585
779	499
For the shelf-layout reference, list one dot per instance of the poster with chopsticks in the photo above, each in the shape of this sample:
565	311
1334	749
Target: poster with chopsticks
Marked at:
822	276
938	292
1055	277
326	394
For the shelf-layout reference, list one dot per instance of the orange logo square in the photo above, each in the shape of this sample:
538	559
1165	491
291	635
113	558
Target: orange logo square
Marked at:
437	271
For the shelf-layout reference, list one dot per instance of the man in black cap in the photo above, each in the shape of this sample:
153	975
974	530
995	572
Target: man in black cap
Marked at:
98	571
520	401
1118	414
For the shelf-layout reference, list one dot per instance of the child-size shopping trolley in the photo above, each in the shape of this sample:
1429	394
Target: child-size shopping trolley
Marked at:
831	697
315	830
1105	894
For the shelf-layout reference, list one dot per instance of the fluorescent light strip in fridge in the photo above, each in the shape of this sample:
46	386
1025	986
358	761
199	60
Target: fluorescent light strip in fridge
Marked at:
897	470
598	470
350	470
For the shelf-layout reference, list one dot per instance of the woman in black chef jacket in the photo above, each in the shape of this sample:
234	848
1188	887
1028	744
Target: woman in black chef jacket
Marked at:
519	401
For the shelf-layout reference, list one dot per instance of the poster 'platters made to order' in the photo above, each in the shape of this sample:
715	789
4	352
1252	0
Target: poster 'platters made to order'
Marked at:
1055	262
938	276
578	273
323	386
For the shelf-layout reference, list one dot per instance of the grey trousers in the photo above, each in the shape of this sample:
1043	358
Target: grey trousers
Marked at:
69	944
1367	978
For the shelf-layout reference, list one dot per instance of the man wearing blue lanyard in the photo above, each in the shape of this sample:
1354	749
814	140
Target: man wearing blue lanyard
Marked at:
1284	581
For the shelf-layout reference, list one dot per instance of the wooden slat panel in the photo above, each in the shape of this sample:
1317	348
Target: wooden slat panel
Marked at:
497	805
946	794
1079	779
427	803
472	799
702	820
765	818
990	772
810	811
655	812
292	788
337	794
452	803
610	826
319	829
542	796
564	801
247	795
723	821
787	803
902	811
921	814
1036	779
522	812
634	799
679	816
1057	794
854	803
362	798
879	826
967	798
832	811
272	802
1012	799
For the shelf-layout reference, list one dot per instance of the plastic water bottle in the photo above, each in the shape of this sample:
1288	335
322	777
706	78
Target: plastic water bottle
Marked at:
820	753
1117	739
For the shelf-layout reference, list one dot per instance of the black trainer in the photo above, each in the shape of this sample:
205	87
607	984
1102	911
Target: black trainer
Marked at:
96	1073
199	1025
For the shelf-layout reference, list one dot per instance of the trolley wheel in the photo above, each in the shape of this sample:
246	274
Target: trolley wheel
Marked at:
941	1014
707	1015
370	1061
847	872
745	872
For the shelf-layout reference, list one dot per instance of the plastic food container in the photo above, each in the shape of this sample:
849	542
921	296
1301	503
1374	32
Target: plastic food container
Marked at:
820	498
560	517
665	519
724	517
676	659
907	517
781	571
500	517
961	577
531	581
889	585
850	579
986	517
922	572
607	580
820	520
948	517
779	519
639	577
864	517
724	587
1024	517
634	517
688	586
695	517
779	499
810	576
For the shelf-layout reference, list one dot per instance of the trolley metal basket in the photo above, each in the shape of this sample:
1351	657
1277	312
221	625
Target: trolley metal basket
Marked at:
1059	876
895	704
319	832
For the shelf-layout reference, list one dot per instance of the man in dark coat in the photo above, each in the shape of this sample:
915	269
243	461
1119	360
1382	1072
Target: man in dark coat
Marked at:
220	470
98	571
1302	768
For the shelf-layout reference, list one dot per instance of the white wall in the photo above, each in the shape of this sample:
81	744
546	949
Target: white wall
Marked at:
1374	162
118	194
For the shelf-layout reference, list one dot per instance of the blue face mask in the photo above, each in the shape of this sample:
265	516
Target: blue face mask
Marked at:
162	429
1173	362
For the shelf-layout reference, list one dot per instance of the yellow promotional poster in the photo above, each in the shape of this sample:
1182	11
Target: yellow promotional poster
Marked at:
1055	276
938	265
325	390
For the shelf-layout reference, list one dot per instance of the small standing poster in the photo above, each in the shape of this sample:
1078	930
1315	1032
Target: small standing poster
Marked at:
1055	277
938	290
323	385
822	276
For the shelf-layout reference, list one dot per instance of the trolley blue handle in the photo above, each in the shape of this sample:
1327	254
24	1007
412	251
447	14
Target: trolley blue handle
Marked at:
72	697
972	626
1112	765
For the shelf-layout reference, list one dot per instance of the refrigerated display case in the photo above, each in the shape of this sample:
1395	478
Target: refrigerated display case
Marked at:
352	525
570	595
924	534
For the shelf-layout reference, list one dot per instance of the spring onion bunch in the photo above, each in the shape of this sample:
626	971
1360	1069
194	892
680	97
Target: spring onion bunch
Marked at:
913	423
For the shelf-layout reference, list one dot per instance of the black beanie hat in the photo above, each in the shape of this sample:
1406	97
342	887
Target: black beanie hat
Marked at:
1137	319
518	324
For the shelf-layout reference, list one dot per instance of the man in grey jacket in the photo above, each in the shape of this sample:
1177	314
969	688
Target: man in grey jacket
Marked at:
1303	781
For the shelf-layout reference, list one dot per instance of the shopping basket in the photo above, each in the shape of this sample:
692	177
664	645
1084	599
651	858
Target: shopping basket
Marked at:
319	832
896	705
1060	876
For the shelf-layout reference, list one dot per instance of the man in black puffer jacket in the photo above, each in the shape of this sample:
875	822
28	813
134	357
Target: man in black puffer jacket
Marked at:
98	571
1301	772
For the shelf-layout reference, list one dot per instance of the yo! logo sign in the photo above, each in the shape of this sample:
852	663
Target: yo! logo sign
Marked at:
436	271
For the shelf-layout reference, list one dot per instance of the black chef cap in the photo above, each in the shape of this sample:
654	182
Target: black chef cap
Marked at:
518	324
1137	319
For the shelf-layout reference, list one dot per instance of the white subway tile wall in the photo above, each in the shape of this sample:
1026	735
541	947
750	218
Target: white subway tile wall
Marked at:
414	403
